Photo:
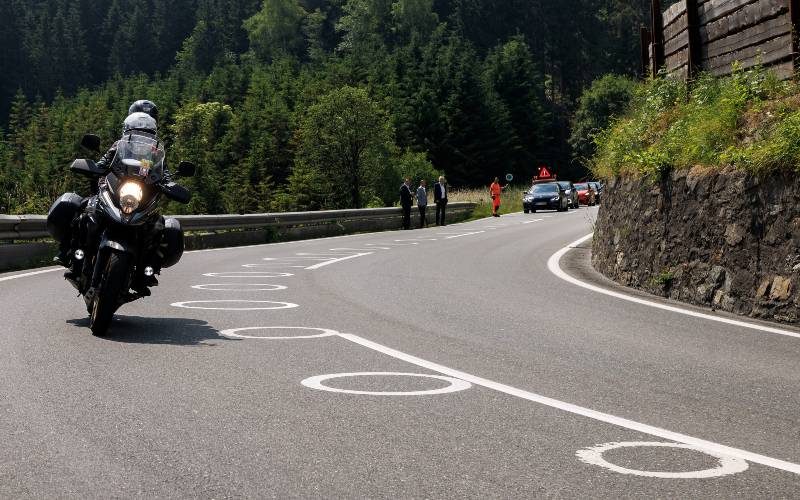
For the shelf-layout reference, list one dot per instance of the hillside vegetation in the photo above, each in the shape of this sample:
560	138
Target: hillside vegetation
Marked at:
291	105
750	121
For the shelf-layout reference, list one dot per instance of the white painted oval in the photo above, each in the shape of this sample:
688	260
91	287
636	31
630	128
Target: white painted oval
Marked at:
273	305
456	385
727	465
249	274
240	287
324	333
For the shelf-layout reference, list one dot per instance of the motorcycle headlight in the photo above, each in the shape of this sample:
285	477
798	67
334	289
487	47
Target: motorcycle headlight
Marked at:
130	195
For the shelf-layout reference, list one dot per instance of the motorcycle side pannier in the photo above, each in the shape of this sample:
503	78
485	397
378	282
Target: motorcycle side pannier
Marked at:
172	243
61	215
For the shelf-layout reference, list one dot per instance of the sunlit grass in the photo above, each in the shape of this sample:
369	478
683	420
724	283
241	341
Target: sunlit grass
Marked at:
510	201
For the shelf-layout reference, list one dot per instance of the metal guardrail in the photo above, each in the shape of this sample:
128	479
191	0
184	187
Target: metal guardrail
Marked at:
29	227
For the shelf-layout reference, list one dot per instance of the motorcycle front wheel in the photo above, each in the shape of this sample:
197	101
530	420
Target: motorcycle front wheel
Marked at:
107	297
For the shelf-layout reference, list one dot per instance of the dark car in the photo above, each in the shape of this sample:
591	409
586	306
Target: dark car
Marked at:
548	196
571	192
598	190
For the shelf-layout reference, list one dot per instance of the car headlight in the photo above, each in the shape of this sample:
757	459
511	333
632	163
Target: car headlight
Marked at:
130	195
555	198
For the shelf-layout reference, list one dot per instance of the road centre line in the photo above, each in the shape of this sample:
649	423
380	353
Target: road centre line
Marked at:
463	234
334	261
553	264
33	273
708	446
532	221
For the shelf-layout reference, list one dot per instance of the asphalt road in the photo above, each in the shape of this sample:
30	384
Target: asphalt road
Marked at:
479	373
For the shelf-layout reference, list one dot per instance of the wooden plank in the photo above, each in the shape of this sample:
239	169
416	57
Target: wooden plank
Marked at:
676	28
676	44
716	9
784	70
746	17
754	35
674	12
677	60
772	51
794	17
680	73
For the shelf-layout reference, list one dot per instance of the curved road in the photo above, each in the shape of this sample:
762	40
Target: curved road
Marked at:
446	362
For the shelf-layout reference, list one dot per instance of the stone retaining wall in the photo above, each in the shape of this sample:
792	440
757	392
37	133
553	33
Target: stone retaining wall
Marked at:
722	239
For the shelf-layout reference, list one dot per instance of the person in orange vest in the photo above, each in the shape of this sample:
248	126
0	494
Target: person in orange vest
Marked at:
495	190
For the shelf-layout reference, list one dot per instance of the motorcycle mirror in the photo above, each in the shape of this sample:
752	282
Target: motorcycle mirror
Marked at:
91	142
186	169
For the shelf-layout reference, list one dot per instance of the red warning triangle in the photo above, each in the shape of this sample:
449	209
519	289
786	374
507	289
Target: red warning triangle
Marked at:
544	173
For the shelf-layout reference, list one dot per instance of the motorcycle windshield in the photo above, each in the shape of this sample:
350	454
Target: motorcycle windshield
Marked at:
140	155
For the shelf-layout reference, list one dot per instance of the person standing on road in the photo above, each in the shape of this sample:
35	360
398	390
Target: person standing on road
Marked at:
495	190
405	202
440	198
422	203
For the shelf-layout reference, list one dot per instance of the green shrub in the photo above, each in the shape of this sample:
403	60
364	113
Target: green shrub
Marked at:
745	120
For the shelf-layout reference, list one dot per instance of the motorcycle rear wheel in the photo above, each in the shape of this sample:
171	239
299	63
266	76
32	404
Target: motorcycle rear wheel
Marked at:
107	297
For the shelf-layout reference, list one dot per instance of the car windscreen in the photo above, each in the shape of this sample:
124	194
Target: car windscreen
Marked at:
544	189
581	187
564	185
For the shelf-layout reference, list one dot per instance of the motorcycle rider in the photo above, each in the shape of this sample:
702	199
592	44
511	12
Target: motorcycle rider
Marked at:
142	117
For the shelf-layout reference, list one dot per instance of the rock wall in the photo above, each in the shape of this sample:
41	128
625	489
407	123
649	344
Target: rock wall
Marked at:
721	239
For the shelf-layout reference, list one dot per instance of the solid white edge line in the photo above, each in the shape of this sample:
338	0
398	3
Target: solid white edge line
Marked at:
553	264
709	446
33	273
334	261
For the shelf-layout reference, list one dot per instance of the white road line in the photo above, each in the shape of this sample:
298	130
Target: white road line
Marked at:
532	221
555	268
334	261
34	273
464	234
708	446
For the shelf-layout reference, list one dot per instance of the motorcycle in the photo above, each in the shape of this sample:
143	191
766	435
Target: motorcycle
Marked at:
118	240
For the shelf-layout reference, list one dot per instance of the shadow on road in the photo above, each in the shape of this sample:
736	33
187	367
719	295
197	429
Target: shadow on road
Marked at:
167	331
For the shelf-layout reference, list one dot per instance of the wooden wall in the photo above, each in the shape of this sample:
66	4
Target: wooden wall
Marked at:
693	36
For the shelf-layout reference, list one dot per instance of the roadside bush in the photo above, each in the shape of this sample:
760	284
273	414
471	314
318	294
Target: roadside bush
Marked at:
749	120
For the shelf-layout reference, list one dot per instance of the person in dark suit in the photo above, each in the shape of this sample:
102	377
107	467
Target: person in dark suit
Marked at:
406	199
440	198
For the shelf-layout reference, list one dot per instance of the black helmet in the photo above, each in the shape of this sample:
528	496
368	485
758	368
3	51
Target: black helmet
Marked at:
144	106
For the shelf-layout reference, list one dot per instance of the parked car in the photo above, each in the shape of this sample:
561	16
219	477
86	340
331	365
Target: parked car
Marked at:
547	196
598	189
571	192
586	194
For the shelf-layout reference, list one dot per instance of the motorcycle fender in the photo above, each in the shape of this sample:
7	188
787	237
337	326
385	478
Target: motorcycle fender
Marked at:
120	246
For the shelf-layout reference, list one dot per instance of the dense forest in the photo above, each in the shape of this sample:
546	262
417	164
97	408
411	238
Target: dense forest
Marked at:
289	104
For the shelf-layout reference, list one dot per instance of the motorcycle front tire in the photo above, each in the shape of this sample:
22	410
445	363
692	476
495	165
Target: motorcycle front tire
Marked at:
107	297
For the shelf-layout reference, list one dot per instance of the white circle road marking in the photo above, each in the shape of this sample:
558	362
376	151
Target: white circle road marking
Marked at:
249	274
274	306
456	385
325	333
240	287
727	465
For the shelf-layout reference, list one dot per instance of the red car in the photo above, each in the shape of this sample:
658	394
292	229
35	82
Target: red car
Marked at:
586	194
